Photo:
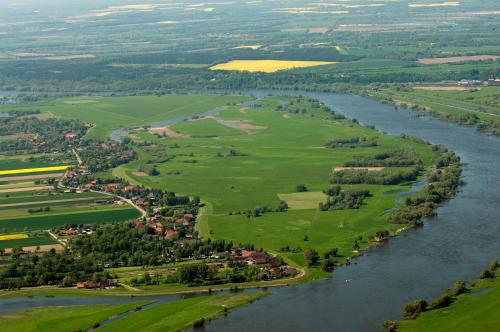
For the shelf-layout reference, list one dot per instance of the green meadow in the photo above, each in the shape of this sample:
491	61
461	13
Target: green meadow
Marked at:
111	113
256	156
474	311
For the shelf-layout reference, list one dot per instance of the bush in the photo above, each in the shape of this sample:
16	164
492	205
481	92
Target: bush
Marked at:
390	326
413	309
301	188
459	287
441	302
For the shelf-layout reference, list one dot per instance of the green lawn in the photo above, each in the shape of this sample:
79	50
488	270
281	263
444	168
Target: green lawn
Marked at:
179	315
478	310
68	318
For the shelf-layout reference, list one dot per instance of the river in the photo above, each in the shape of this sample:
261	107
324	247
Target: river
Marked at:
457	244
422	263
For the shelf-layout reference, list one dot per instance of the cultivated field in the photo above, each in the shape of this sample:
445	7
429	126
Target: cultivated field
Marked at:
267	66
454	59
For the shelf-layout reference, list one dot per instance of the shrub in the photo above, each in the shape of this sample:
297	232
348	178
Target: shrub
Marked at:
413	309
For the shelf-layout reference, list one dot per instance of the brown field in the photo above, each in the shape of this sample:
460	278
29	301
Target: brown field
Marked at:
168	132
32	177
45	247
46	202
14	190
140	174
236	124
369	169
453	59
322	30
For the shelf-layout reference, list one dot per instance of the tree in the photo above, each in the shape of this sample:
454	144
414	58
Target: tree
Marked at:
301	188
282	207
331	253
312	257
328	264
153	172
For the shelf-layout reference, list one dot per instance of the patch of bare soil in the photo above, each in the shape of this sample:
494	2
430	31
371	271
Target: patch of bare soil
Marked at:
139	174
167	132
369	169
14	190
240	125
32	177
45	247
453	59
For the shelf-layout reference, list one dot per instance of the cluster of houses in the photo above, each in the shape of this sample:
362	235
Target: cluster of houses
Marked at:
269	266
171	228
103	284
76	230
488	82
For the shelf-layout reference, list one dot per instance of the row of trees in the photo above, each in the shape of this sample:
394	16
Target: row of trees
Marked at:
386	177
443	184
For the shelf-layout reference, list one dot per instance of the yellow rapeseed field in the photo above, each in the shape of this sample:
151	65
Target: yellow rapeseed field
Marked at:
267	66
34	170
13	237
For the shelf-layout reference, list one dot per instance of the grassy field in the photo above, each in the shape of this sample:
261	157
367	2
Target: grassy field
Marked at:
31	240
267	66
245	168
67	318
97	215
179	315
111	113
474	311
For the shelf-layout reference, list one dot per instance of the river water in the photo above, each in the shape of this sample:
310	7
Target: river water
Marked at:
422	263
457	244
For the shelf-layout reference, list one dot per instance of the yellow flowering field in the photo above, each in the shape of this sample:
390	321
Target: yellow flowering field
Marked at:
267	66
13	237
34	170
